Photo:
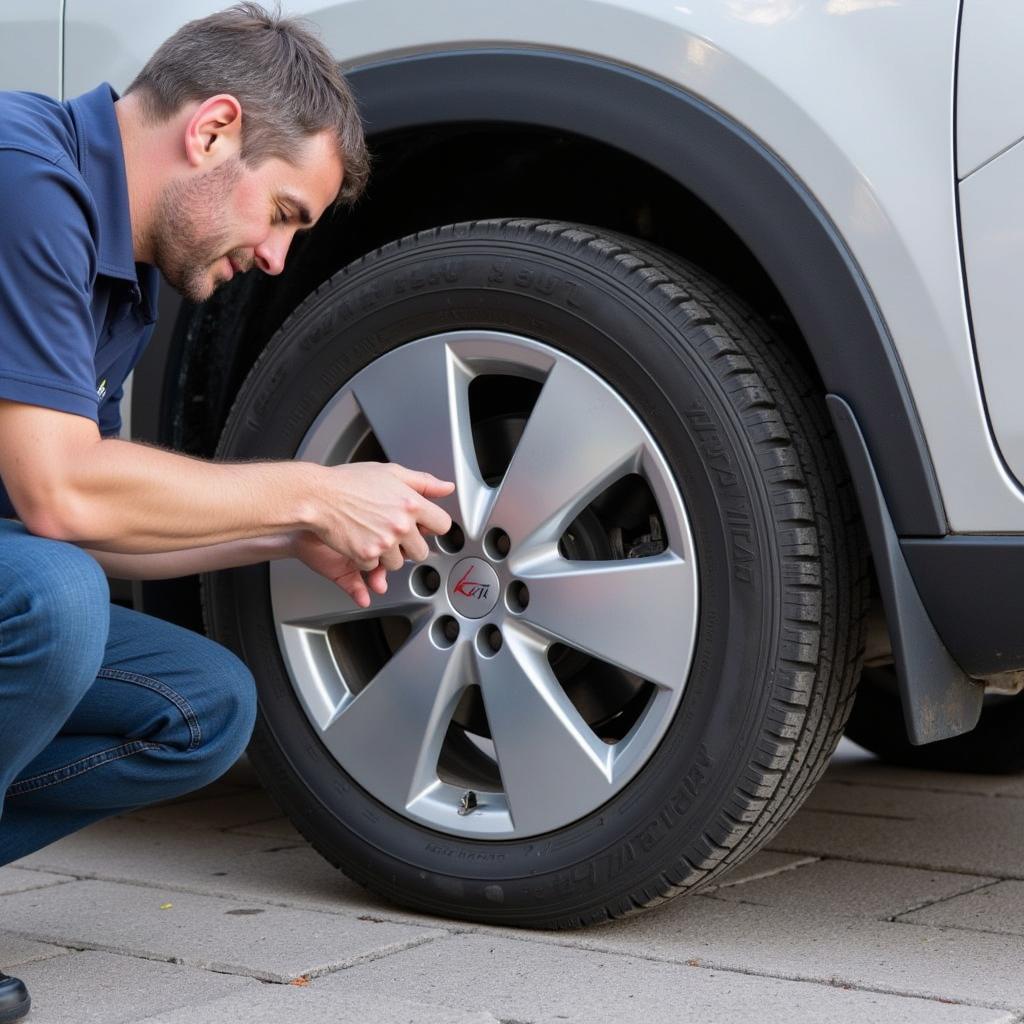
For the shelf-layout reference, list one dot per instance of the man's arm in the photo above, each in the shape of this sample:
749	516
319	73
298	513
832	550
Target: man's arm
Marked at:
305	546
165	565
68	483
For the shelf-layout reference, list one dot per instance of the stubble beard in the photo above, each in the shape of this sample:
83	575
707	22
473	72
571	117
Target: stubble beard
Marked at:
190	233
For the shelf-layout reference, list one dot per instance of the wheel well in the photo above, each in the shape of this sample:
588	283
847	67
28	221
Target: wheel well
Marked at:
429	176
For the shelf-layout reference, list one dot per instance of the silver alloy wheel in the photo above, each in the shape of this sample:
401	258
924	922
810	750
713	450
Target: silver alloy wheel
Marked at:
468	625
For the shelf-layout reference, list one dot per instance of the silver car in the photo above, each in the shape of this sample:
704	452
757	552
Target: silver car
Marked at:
709	309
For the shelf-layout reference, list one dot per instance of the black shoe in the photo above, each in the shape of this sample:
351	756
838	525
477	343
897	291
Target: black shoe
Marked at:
15	1001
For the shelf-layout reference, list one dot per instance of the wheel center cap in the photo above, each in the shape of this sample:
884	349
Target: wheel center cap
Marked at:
473	588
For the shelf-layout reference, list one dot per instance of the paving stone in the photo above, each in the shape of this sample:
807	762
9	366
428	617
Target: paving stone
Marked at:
996	908
241	866
803	938
15	950
937	831
873	801
846	888
524	981
18	879
100	988
272	1004
220	864
232	936
934	963
243	807
761	865
874	773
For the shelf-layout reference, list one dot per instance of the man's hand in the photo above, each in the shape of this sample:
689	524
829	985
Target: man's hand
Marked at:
377	513
120	497
309	549
368	506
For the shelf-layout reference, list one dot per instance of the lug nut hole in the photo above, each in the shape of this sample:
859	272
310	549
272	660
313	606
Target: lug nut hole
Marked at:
517	596
497	544
445	631
426	580
453	541
488	641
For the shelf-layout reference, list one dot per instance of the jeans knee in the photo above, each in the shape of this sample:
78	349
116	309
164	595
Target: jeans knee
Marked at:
55	617
238	707
231	716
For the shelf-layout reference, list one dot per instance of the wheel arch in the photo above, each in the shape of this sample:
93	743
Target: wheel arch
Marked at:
772	217
721	164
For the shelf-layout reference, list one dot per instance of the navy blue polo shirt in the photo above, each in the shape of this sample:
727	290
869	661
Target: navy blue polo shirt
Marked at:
76	310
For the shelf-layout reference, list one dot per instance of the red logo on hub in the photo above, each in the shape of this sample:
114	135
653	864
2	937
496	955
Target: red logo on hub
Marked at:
469	588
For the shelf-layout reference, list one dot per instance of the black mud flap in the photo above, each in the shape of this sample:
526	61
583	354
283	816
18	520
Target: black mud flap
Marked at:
939	699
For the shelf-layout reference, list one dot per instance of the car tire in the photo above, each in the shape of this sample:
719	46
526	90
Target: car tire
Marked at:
765	660
994	746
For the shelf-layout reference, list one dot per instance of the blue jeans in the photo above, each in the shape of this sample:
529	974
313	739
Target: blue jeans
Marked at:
102	709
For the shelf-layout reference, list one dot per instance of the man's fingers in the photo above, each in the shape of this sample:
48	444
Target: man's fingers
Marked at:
425	483
378	580
435	488
353	585
392	559
415	547
358	587
433	518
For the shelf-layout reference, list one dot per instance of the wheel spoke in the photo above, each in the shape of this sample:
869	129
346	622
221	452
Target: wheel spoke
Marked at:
389	736
551	762
576	443
637	614
416	400
305	598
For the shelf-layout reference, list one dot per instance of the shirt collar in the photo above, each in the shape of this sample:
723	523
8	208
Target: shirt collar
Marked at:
101	161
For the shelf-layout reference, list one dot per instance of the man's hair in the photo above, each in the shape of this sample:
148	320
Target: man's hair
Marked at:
289	86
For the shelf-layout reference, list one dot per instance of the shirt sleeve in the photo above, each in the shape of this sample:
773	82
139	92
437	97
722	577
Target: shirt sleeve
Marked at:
110	414
47	270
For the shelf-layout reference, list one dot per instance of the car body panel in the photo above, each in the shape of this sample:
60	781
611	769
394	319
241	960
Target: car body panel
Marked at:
990	114
30	57
828	87
992	213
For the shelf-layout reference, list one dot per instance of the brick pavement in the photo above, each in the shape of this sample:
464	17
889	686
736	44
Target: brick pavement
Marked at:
892	896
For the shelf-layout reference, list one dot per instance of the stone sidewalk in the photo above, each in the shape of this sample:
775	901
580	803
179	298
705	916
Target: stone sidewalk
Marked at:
893	896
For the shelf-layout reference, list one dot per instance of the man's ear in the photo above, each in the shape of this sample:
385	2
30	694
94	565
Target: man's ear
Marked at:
214	131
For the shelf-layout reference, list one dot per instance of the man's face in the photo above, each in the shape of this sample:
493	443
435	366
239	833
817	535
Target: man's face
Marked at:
232	218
